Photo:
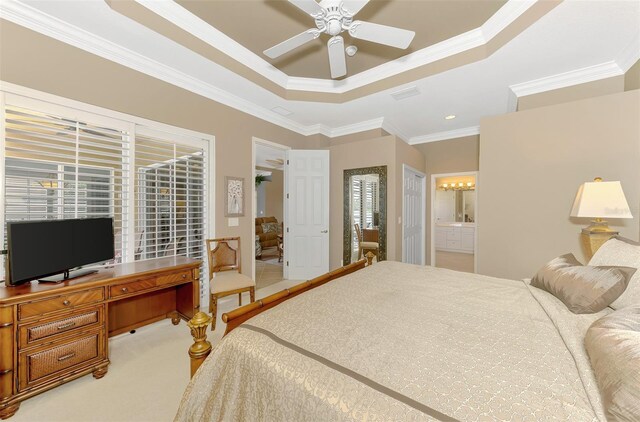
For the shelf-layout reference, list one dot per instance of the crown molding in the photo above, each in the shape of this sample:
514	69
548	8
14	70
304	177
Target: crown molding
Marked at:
442	136
187	21
394	130
566	79
630	54
31	18
350	129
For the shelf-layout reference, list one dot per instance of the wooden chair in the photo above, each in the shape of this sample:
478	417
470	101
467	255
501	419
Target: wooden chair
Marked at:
225	277
364	247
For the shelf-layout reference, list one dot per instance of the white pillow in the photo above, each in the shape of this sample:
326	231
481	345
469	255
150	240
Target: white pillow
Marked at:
619	251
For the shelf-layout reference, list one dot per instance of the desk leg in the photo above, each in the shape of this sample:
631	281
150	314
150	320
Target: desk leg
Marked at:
175	318
6	411
100	372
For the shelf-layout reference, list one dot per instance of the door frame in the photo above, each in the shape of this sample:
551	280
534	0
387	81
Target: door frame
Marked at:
258	141
406	168
432	223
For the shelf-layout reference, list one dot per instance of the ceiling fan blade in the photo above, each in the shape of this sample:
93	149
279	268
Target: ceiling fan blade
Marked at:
310	7
292	43
354	6
337	61
381	34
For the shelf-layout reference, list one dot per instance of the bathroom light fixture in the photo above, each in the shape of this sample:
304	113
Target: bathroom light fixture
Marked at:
457	186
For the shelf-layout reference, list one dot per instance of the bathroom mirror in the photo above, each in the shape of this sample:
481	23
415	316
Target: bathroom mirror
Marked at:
365	213
455	206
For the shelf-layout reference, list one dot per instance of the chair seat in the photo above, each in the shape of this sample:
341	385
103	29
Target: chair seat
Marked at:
369	245
226	281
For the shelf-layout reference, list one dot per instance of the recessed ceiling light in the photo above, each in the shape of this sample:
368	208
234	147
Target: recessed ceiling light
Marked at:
450	117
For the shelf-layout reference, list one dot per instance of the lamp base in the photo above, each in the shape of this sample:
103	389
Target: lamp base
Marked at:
595	235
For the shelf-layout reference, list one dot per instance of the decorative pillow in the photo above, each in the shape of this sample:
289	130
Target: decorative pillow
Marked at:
270	227
584	290
619	251
613	345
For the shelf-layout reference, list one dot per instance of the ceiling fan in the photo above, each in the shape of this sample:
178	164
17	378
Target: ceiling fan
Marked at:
334	17
278	162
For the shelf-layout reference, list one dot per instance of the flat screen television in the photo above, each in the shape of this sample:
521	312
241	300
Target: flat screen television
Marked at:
49	250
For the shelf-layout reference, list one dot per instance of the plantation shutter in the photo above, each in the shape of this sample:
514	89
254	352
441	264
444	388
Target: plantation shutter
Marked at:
60	166
170	196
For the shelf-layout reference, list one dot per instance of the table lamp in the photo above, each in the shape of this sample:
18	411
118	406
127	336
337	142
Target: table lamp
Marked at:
599	200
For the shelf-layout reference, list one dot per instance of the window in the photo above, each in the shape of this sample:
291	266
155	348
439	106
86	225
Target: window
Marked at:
170	197
59	167
63	162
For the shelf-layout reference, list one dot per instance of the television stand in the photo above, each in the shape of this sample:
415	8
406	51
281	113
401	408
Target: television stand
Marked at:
51	334
67	275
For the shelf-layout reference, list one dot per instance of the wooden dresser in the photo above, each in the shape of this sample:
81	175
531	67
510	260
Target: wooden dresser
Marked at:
54	333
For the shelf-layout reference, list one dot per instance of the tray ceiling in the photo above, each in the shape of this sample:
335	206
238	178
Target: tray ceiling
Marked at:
261	24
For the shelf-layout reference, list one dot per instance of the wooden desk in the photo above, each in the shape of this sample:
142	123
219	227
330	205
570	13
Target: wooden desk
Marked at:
370	235
53	333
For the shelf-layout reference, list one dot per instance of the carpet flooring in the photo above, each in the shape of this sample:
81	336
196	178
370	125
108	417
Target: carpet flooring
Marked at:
455	261
148	373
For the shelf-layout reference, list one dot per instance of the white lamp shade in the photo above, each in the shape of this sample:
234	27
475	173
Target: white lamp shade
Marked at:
601	200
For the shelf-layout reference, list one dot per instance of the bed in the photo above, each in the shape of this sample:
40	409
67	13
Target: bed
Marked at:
402	342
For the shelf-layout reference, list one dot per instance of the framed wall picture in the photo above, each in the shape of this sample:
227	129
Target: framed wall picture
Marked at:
234	200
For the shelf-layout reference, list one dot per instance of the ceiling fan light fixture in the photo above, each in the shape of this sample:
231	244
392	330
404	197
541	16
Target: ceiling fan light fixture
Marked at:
351	50
333	17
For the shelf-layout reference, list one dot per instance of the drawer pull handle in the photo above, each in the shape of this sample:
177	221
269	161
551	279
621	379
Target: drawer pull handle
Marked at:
66	303
184	276
124	290
67	356
65	326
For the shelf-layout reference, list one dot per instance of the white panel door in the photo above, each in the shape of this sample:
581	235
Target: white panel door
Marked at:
413	220
307	216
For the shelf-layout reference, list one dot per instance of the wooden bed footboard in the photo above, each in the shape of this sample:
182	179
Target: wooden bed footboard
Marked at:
201	348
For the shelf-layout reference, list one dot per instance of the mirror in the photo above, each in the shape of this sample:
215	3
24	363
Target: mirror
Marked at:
455	206
455	201
365	213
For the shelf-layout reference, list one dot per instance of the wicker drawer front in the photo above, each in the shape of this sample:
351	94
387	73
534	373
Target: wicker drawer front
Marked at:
175	277
136	286
54	360
36	332
58	303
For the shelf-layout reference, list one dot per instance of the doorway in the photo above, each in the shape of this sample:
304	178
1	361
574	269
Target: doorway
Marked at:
454	220
268	212
414	188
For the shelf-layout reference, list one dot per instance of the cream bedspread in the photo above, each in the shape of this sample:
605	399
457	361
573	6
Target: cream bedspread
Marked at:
402	342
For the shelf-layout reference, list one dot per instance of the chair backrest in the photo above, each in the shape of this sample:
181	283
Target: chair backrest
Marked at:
223	257
358	232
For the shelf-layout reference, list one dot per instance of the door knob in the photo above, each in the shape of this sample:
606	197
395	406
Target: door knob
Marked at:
324	231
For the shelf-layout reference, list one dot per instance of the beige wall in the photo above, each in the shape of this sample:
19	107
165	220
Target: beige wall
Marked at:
573	93
274	195
450	156
386	150
632	77
531	165
36	61
366	153
360	136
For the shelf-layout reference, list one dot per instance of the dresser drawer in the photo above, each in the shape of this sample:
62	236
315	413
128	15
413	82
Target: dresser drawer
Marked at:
61	302
135	286
53	362
37	332
175	277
